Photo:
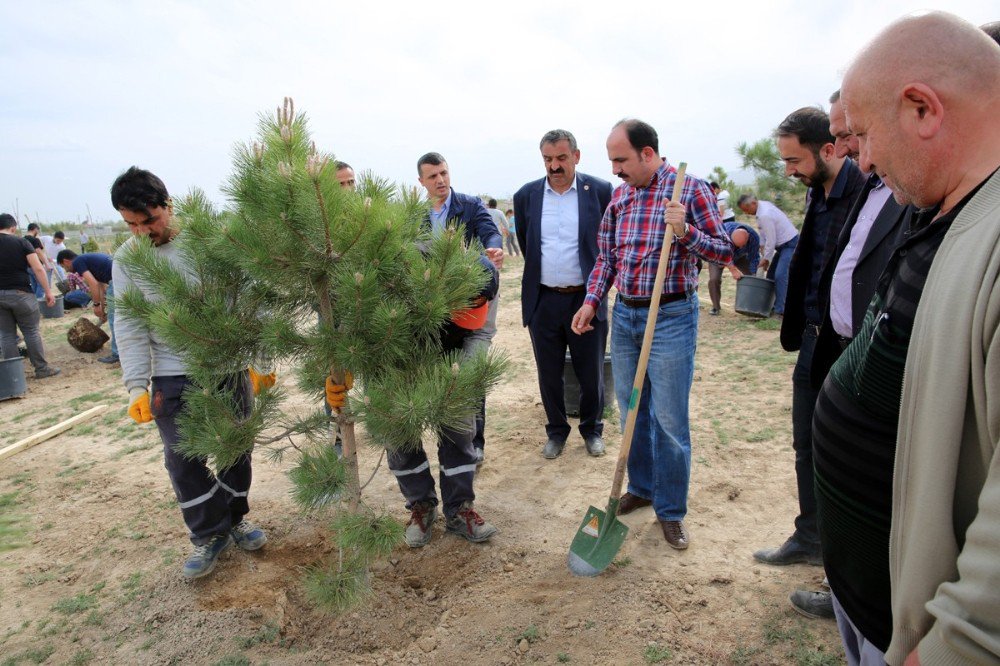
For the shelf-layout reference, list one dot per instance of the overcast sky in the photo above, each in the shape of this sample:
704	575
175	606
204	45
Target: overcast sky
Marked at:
89	88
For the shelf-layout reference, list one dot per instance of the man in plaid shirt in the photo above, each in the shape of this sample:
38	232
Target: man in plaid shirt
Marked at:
629	242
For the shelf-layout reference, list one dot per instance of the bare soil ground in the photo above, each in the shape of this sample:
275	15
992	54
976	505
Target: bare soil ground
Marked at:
98	576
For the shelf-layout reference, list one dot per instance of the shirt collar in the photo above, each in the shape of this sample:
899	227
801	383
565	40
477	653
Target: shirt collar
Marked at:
840	183
445	206
548	187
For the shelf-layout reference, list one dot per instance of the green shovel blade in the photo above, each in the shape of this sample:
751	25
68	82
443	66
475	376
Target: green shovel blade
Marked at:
597	541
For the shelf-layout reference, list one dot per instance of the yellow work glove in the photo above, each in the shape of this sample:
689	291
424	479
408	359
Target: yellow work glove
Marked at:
139	409
336	394
261	381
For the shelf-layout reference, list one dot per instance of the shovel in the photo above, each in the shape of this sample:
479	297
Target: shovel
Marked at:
601	534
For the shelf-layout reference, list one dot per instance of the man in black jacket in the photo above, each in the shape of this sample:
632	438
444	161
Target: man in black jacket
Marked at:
557	220
874	227
807	148
449	208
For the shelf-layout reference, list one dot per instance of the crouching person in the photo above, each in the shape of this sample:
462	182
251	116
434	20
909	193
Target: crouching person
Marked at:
214	506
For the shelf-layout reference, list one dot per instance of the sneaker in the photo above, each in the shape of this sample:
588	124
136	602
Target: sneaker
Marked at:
818	605
202	559
418	530
480	456
248	536
111	358
47	371
714	311
469	525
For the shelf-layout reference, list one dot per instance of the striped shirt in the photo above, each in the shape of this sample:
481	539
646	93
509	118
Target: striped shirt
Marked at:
631	235
854	434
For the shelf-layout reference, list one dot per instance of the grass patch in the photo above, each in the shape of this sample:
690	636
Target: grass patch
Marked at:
36	655
81	657
763	435
95	618
233	660
720	432
74	605
655	654
562	658
531	634
266	634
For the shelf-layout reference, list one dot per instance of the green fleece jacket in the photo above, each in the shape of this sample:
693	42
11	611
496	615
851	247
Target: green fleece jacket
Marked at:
944	547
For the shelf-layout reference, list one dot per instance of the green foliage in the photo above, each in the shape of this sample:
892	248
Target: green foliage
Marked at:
655	654
11	530
367	536
531	634
336	588
319	477
74	605
92	246
771	184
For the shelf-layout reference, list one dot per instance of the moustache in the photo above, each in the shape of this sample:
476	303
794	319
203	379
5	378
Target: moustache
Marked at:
553	172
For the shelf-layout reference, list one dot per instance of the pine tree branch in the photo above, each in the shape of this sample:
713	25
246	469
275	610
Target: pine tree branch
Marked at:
173	320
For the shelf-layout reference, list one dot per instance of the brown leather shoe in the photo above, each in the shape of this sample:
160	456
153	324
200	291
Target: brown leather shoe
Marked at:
628	503
675	534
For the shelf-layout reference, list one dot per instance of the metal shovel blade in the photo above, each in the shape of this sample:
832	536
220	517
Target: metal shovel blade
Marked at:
597	541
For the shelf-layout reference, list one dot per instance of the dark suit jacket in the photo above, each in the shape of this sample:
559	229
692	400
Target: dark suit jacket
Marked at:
593	195
471	212
839	204
887	232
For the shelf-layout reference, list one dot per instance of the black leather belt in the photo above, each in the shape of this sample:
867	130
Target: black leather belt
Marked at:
843	342
575	289
812	328
646	302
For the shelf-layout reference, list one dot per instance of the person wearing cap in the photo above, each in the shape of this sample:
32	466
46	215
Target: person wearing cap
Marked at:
451	208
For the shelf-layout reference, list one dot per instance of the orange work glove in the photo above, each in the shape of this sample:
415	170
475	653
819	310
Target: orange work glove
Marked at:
139	409
260	381
336	394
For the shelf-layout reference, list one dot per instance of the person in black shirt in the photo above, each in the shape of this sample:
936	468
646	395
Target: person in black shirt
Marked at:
18	306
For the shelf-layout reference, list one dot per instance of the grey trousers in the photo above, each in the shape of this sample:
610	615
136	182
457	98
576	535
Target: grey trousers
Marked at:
19	309
482	339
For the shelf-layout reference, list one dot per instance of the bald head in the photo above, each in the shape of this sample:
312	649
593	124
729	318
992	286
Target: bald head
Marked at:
952	56
922	99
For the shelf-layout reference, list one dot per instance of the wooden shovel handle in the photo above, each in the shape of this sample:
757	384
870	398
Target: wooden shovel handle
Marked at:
647	341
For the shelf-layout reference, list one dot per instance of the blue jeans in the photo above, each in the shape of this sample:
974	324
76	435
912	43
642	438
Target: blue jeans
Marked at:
659	463
778	271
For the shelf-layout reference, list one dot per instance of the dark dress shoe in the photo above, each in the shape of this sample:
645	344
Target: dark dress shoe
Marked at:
629	503
817	605
790	552
675	533
594	444
553	448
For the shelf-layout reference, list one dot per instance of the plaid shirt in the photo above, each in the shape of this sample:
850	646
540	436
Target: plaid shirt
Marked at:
631	235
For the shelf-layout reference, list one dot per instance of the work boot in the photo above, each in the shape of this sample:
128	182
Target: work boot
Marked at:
248	536
469	525
818	605
110	358
47	371
594	444
792	551
203	558
418	530
552	449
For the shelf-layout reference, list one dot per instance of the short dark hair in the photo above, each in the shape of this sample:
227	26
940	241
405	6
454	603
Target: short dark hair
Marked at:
340	166
835	97
557	135
492	203
745	199
60	235
510	210
64	255
714	185
810	125
139	190
640	134
7	221
993	30
434	159
32	226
